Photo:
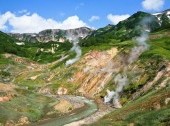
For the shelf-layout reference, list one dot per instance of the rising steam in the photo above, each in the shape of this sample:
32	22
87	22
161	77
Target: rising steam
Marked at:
121	80
140	48
75	48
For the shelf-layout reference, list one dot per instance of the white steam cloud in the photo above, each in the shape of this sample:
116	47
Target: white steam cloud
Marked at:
140	48
121	80
75	48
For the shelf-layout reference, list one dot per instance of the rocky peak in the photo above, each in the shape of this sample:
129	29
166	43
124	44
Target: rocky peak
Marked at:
53	35
166	12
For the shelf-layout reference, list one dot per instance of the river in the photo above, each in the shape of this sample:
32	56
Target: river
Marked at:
89	108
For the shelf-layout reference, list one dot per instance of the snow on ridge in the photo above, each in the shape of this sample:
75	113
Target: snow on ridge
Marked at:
155	14
168	12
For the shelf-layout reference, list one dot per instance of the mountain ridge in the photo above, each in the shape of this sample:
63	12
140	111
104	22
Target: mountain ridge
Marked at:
111	56
128	28
48	35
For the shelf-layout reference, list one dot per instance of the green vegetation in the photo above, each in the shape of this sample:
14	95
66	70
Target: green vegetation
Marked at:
4	61
159	47
57	75
140	112
46	57
7	45
32	50
27	104
123	31
165	21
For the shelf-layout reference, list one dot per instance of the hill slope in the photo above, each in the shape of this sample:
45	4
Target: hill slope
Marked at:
129	28
116	61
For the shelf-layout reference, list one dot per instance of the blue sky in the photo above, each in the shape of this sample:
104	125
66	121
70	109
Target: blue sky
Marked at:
80	11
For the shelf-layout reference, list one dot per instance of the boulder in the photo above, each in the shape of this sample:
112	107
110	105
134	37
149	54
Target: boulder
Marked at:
167	101
63	106
62	91
23	121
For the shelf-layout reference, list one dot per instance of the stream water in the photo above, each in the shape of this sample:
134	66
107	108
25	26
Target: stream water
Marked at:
78	114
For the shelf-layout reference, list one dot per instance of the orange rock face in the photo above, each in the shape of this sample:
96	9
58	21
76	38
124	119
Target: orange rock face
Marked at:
96	70
9	91
4	99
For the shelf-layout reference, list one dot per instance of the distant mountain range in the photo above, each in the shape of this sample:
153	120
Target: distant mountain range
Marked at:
124	30
57	35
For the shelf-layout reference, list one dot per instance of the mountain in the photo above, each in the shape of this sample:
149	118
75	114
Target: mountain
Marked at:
129	28
124	30
53	35
128	82
5	38
166	12
7	44
102	30
42	52
164	18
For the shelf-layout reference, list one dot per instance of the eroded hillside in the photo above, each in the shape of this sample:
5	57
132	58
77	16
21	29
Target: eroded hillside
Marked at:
125	69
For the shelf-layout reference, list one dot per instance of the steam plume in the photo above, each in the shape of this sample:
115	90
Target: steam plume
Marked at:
109	97
140	48
121	80
75	48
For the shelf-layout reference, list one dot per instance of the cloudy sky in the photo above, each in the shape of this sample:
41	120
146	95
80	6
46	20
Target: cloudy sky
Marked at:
27	16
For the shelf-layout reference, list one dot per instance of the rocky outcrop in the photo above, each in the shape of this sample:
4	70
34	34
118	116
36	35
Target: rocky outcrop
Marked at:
23	121
95	71
53	35
34	77
62	91
5	98
167	101
45	90
7	92
63	106
163	74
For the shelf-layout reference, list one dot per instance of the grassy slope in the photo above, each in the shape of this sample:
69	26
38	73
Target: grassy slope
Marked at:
157	53
43	57
29	50
26	104
158	49
141	111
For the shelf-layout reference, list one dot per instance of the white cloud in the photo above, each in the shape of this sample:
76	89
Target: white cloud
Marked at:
115	19
4	18
154	5
94	18
35	23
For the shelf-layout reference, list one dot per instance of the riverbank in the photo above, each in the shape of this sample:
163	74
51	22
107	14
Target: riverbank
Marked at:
89	108
102	111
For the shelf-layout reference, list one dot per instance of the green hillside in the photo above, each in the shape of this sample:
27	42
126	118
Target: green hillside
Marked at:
35	70
127	29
